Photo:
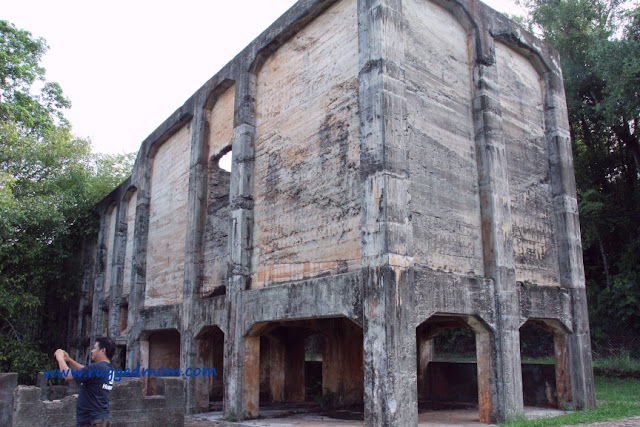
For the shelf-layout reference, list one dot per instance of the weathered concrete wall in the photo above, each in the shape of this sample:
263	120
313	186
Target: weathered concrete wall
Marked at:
217	223
8	383
534	222
167	220
127	406
307	211
444	176
130	218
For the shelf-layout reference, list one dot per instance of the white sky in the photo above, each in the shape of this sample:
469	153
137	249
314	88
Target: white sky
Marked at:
127	65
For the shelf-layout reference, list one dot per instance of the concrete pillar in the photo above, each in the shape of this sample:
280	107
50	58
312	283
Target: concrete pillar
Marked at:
388	288
486	387
251	378
503	353
563	377
138	282
196	209
426	353
242	354
117	267
565	201
101	261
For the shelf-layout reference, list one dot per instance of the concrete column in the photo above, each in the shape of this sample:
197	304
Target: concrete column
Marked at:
503	353
563	377
117	267
426	353
250	391
563	188
390	393
138	282
196	210
242	354
101	260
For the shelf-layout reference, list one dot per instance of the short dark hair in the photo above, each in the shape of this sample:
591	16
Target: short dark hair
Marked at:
108	345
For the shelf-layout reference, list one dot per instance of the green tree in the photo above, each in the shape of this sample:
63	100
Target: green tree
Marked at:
599	46
20	55
49	183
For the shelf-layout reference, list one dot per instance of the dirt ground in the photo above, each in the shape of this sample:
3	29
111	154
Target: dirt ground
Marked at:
460	418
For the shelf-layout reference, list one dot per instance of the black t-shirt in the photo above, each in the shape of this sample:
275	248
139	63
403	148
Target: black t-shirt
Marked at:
96	380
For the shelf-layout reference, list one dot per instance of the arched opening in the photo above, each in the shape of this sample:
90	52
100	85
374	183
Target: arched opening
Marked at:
314	365
452	366
545	373
210	355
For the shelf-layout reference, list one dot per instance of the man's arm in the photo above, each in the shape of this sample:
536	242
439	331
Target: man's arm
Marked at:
63	357
71	362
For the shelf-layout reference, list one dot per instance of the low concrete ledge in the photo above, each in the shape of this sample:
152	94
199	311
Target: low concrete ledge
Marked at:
129	407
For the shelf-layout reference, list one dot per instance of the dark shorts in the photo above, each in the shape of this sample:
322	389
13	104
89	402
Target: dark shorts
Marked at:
103	422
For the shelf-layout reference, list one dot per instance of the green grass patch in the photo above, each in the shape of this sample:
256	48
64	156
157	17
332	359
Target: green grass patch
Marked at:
617	366
616	398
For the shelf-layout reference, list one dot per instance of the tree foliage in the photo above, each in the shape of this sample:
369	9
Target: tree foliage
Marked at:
599	46
49	183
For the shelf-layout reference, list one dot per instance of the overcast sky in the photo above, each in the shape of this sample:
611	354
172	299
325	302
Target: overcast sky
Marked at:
127	65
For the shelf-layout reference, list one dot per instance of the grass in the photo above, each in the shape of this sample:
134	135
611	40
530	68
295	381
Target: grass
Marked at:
616	398
623	362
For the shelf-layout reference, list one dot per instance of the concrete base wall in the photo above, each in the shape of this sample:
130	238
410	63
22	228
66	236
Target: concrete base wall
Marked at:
128	406
8	382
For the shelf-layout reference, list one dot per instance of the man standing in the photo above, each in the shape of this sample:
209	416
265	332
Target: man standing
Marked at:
96	380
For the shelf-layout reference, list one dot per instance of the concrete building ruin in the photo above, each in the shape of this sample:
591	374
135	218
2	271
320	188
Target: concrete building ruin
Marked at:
400	167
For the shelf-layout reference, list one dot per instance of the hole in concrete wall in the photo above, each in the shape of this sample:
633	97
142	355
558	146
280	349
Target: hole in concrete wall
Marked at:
538	341
446	364
216	228
224	161
288	349
210	353
163	353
